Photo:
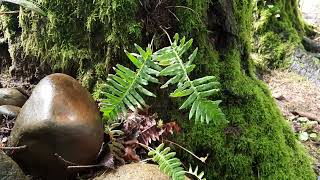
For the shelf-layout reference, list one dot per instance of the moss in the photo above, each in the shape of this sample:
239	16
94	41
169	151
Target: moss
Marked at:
274	49
257	143
278	26
77	35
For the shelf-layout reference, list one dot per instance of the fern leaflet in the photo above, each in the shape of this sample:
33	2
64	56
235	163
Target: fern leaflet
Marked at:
198	90
195	173
124	89
167	161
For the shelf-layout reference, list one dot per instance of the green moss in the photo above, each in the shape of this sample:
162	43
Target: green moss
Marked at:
257	143
278	30
77	35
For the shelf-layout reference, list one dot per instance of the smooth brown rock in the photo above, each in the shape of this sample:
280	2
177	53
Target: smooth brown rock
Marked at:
11	96
9	170
9	110
59	117
135	171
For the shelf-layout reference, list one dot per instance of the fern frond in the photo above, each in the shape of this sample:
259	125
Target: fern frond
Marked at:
124	89
167	161
198	91
27	4
195	173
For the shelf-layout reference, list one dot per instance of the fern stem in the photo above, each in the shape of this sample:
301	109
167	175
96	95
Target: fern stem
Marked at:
181	64
199	158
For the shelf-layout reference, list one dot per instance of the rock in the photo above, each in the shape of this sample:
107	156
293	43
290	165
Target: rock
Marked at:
313	136
310	45
10	96
135	171
304	136
59	118
303	119
311	125
278	96
9	170
9	110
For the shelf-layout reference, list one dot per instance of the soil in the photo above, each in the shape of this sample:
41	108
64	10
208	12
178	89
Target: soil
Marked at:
294	93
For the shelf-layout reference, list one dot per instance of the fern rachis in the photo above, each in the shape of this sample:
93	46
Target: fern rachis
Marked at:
198	90
123	87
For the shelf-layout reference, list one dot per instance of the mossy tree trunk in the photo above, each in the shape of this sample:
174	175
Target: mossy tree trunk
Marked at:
257	143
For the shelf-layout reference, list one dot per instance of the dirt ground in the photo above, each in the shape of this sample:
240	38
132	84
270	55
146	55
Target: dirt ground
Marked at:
293	93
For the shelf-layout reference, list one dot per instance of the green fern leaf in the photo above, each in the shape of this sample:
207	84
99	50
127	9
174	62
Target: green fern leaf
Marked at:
195	173
167	161
125	88
198	91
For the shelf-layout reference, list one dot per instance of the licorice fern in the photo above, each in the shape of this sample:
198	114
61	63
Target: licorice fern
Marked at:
195	173
198	90
167	161
124	89
27	4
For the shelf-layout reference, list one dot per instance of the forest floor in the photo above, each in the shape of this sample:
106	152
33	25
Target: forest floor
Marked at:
299	101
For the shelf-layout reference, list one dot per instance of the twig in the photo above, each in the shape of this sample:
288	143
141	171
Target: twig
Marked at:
85	166
166	34
9	12
14	148
65	161
145	160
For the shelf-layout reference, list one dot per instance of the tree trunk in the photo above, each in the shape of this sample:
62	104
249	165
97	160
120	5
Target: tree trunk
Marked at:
257	143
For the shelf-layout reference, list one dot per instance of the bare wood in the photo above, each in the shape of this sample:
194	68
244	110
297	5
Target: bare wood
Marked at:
66	162
86	166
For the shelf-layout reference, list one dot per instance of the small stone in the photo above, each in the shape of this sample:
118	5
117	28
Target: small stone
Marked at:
59	119
11	96
311	125
278	96
296	127
304	136
4	140
9	111
313	135
303	119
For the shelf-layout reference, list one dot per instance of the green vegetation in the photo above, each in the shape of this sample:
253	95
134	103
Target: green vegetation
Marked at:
256	143
122	91
79	37
167	161
27	4
278	31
